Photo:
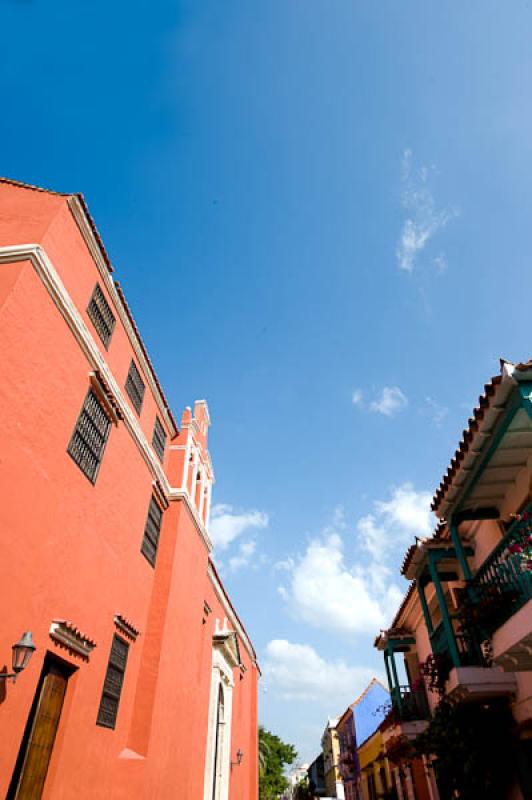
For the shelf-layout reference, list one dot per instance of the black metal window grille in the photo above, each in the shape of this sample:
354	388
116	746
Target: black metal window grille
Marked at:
101	315
90	436
152	531
112	686
135	387
159	438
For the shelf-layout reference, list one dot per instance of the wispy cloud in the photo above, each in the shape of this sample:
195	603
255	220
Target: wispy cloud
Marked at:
227	524
394	522
424	220
391	401
297	672
435	411
246	550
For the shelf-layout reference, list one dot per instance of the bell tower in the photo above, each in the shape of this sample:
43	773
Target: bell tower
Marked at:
192	468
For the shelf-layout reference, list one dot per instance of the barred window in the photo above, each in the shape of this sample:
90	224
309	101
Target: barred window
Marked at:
135	387
114	680
101	315
152	531
159	438
90	437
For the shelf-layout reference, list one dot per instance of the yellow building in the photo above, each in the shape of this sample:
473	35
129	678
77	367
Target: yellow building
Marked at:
375	776
331	756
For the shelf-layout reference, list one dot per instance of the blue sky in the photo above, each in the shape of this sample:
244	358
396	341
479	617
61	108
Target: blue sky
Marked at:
320	211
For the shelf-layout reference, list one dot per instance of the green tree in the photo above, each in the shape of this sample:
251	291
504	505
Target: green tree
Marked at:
274	755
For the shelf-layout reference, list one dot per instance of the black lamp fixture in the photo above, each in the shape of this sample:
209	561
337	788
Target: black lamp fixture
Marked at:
239	757
22	652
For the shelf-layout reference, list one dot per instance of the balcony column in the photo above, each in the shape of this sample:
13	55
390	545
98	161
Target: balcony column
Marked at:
397	692
409	783
398	787
424	607
387	668
459	550
429	777
446	620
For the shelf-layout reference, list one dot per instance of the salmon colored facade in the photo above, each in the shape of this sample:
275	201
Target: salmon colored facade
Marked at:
82	568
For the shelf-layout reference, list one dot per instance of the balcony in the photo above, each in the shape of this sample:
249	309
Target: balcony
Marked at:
503	584
469	652
410	704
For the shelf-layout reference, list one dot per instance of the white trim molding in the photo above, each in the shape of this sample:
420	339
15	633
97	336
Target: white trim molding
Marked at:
218	751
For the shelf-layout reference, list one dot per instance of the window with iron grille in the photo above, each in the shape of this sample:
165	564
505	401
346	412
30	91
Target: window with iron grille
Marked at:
159	438
135	387
152	531
101	315
90	436
112	686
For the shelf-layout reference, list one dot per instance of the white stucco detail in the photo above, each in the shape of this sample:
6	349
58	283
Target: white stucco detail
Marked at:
218	760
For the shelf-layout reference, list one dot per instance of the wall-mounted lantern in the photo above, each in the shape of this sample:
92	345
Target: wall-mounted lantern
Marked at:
239	757
22	652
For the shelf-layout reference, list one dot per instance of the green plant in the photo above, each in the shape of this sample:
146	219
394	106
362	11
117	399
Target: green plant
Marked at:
471	745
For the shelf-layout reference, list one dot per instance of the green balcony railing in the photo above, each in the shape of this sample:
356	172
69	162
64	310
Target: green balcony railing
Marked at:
410	704
503	583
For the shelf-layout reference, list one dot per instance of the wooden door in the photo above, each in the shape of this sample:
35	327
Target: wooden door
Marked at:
38	744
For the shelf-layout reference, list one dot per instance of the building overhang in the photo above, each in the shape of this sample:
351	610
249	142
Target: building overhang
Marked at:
494	449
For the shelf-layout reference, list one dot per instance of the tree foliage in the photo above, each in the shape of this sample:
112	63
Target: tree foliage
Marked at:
472	745
274	755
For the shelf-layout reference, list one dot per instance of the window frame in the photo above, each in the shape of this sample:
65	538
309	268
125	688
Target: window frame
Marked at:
134	392
159	439
113	663
97	317
73	448
148	537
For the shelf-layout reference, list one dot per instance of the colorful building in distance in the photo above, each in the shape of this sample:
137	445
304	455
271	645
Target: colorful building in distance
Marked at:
330	747
375	776
143	683
464	629
356	725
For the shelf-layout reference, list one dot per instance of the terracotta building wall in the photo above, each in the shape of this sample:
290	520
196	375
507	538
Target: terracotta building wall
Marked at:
71	550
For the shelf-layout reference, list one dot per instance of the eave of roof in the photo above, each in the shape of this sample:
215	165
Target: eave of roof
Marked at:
109	266
486	402
145	352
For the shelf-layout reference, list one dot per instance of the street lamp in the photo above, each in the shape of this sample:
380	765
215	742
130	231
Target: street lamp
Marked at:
239	757
22	652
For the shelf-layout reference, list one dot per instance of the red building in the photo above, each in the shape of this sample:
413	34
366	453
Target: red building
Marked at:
144	680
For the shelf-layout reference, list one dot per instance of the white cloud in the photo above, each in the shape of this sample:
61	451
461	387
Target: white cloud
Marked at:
245	551
423	220
298	672
391	401
325	591
358	398
395	522
226	525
